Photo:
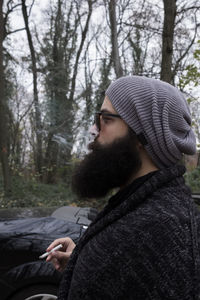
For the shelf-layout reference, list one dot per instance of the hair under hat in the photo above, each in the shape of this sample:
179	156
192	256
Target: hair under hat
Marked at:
157	111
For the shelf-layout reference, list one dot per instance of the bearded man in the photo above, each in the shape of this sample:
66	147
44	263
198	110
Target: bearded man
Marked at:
145	243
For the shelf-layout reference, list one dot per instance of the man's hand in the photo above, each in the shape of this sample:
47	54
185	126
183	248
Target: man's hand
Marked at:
60	258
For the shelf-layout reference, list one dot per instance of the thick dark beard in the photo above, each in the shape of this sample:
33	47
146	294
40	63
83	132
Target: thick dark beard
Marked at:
106	167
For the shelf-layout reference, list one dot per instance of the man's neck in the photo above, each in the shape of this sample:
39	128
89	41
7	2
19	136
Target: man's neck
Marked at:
147	167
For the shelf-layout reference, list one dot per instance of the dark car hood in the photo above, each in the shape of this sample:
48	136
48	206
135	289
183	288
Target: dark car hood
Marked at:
23	240
37	226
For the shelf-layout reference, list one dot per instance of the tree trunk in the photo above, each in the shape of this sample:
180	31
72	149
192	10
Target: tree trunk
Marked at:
38	123
3	115
114	40
83	37
167	40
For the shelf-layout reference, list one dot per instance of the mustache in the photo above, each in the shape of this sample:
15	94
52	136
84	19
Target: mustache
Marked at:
95	146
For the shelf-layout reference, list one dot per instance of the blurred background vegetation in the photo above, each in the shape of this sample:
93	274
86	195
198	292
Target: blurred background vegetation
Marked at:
192	179
31	192
56	59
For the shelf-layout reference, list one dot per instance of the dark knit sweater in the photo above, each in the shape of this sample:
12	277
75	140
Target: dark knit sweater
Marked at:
143	245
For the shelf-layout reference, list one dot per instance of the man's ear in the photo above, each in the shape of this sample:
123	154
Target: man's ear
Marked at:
140	146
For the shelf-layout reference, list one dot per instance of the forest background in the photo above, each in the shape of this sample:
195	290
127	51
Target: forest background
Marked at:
56	59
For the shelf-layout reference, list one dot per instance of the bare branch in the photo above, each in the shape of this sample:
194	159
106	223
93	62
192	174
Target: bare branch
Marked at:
14	31
186	51
10	9
187	9
26	112
11	57
31	6
142	27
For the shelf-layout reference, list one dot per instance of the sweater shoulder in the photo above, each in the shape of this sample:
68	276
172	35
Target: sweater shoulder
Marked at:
164	215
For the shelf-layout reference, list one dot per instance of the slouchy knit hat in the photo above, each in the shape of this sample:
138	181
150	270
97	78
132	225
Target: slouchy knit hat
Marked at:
157	112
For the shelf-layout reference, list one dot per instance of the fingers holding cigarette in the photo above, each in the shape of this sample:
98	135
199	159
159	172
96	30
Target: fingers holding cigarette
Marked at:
59	252
48	252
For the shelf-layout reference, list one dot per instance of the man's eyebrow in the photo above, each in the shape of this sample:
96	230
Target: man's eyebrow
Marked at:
106	111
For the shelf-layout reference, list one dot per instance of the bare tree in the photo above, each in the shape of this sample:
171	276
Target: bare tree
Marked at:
38	123
11	7
62	50
3	113
168	39
18	119
83	37
114	39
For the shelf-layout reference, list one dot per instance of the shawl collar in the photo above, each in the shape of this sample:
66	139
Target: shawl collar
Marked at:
112	213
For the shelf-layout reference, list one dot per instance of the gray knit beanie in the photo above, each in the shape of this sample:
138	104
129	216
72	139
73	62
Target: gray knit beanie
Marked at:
157	112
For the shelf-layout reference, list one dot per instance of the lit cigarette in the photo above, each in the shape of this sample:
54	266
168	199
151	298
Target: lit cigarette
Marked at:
47	253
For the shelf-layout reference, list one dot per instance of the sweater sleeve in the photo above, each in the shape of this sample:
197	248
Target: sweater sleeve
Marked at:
140	259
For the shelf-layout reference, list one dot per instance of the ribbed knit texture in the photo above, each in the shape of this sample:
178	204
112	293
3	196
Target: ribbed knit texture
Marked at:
143	247
158	111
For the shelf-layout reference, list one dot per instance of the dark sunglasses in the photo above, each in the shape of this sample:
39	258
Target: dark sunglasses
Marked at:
97	119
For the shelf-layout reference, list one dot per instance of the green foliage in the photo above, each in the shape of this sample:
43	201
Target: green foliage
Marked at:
30	193
192	75
95	203
189	81
197	52
193	180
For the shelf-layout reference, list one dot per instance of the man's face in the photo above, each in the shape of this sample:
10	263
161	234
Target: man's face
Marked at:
113	160
111	128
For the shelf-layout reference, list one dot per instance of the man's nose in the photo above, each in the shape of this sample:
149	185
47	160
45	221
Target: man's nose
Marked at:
94	131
